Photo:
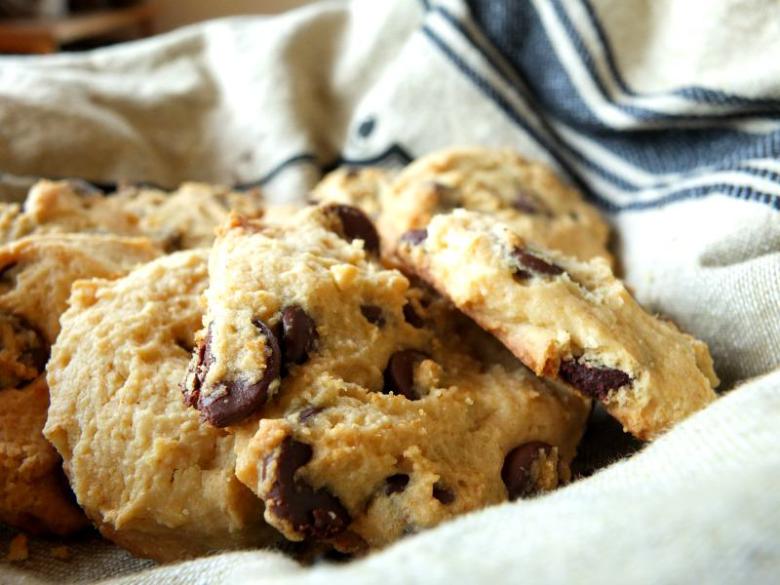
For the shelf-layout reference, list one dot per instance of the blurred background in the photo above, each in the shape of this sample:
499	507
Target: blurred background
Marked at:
47	26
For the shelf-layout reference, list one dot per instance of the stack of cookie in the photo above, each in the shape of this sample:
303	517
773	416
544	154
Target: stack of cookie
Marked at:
405	349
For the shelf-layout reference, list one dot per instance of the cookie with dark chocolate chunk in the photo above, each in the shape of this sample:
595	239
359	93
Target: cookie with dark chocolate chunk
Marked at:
525	195
375	416
566	319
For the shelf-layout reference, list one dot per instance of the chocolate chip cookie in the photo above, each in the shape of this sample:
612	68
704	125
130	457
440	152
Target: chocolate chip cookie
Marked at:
360	412
526	195
356	186
36	274
183	219
150	475
565	319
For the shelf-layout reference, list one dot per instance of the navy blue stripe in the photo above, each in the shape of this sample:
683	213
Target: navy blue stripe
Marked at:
688	193
693	92
507	108
522	41
643	114
730	190
485	86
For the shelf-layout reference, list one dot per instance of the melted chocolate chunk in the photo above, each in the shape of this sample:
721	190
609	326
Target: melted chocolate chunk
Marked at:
356	225
312	513
592	381
373	314
395	484
526	202
299	333
442	493
7	273
534	263
232	400
308	413
399	373
412	317
26	350
516	471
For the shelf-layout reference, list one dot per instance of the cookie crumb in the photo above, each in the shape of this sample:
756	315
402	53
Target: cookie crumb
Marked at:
18	551
61	552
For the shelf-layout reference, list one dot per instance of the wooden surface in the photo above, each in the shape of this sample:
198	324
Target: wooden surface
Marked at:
47	35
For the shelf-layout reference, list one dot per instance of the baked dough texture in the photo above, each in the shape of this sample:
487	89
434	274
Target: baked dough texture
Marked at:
566	319
361	410
149	474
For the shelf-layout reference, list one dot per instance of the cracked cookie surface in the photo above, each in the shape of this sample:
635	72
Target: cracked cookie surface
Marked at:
378	417
565	319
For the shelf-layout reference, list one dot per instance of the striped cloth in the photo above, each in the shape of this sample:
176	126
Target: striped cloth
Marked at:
665	114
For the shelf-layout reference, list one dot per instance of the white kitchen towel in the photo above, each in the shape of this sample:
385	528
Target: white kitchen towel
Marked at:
665	114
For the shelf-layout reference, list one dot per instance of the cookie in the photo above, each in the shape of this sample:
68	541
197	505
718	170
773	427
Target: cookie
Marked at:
356	186
11	228
146	471
565	319
36	274
186	218
359	414
526	195
183	219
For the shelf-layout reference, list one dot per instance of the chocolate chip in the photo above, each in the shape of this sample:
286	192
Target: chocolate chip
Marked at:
308	412
5	271
373	314
412	317
173	241
526	202
299	334
516	471
395	484
521	274
231	401
25	349
399	373
8	274
534	263
312	513
443	494
414	237
196	371
591	380
356	225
